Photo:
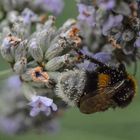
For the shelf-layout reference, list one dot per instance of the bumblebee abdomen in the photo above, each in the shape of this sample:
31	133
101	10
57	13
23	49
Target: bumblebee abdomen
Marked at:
124	96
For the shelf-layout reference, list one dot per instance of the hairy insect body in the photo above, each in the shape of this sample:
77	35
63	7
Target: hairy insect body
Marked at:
107	87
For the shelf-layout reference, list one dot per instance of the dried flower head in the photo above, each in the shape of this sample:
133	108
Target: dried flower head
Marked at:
13	40
114	43
38	75
74	35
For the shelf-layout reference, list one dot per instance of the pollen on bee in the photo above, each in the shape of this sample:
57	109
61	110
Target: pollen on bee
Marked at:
38	75
103	81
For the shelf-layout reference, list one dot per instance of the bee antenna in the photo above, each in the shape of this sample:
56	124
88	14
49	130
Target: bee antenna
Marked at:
135	68
135	62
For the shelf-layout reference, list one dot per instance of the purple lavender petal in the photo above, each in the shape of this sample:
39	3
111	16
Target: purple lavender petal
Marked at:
86	14
54	107
103	57
113	21
106	4
46	101
47	111
86	65
42	104
85	51
137	42
34	112
34	102
28	16
55	6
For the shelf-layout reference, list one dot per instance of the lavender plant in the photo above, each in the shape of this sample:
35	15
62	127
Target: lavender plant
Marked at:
50	62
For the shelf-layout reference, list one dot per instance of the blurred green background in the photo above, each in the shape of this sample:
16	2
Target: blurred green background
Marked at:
119	124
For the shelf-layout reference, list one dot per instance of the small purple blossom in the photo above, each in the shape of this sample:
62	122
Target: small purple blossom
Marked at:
42	104
106	4
54	6
85	51
86	14
86	65
113	21
137	42
29	16
103	57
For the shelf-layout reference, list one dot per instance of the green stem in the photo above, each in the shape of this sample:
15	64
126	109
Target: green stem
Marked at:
5	73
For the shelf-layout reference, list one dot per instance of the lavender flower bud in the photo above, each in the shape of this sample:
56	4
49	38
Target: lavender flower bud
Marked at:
49	23
57	46
12	16
29	16
63	43
137	42
44	38
21	29
57	63
66	26
122	8
127	35
20	66
35	51
32	64
6	50
21	50
9	44
47	33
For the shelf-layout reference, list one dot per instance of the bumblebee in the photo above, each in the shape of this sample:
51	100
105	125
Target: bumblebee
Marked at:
98	90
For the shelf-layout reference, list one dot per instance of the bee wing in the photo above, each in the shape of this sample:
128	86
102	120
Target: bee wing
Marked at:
99	100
